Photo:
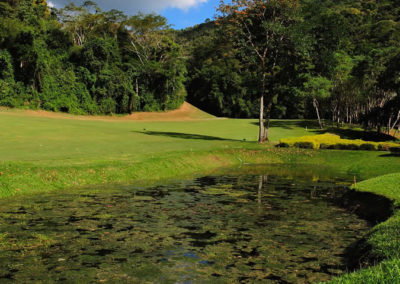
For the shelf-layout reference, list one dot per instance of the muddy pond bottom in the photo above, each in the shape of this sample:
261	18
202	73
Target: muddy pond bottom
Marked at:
215	229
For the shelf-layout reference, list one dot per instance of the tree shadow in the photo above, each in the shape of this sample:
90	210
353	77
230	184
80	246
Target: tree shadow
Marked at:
345	133
390	155
291	124
184	135
348	133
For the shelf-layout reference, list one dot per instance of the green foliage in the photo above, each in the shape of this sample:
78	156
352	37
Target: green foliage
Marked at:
6	79
368	147
317	87
82	64
305	145
332	141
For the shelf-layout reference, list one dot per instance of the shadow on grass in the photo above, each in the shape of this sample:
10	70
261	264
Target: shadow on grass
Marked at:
345	133
348	133
183	135
389	155
292	124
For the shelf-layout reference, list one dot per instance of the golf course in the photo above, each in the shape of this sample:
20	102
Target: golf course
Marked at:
60	154
200	141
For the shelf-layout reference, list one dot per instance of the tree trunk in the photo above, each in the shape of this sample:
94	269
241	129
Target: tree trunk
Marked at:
261	134
267	119
315	103
394	124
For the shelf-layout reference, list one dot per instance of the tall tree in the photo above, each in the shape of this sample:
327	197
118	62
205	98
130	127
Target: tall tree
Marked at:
263	31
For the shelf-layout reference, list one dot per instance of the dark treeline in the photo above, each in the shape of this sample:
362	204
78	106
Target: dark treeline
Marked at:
332	59
84	60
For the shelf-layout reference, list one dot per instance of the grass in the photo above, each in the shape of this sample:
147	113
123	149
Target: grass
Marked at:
39	153
384	239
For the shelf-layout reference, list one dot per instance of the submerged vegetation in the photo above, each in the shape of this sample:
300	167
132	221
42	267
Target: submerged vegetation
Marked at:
217	229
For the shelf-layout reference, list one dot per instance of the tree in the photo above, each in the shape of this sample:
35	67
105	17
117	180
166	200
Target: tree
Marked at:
156	62
262	30
317	88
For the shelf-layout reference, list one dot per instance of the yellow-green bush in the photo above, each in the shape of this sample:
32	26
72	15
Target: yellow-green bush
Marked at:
332	141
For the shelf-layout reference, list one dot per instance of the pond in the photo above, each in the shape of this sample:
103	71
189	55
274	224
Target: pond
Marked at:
253	225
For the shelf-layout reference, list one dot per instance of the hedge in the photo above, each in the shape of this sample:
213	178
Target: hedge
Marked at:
332	141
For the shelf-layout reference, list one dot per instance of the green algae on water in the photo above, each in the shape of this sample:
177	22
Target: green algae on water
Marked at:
215	229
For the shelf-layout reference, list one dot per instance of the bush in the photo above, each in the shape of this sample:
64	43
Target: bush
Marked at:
368	147
346	146
383	147
305	145
283	145
331	141
326	146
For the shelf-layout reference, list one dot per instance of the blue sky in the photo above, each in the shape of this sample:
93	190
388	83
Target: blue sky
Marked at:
180	13
186	18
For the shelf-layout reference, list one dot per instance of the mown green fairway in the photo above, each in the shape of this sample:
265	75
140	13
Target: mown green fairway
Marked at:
32	138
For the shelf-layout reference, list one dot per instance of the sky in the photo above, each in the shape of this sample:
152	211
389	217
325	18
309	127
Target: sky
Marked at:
180	13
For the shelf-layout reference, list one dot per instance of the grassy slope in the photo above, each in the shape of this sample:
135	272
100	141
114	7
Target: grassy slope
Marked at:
39	153
384	239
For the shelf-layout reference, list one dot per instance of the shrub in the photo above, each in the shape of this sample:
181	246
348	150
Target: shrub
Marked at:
283	145
331	141
383	147
324	146
339	146
305	145
353	147
368	147
346	146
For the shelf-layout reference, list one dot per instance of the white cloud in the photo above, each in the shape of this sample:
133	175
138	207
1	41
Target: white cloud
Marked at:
50	4
134	6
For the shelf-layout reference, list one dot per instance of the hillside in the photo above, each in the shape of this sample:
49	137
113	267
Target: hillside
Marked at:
184	113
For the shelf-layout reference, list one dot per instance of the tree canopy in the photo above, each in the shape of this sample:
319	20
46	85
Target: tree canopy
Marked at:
80	59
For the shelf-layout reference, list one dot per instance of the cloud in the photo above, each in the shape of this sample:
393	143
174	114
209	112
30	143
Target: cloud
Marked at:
134	6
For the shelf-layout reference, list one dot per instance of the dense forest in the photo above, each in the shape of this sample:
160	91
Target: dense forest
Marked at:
338	60
84	60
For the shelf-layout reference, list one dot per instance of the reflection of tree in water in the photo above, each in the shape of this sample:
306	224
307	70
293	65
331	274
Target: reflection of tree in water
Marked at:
263	179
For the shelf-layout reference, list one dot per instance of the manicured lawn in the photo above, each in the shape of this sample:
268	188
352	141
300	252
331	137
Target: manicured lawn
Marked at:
31	138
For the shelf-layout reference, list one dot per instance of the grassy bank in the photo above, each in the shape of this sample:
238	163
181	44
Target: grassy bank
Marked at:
23	177
384	239
41	152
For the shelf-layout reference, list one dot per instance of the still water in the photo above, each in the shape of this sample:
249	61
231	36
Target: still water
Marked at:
267	227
